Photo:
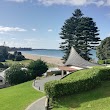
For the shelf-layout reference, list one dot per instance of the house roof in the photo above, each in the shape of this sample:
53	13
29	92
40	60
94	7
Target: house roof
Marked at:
75	59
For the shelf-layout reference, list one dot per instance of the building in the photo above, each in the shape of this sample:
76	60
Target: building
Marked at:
75	62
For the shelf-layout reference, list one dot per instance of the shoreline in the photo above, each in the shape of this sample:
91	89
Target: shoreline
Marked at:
48	59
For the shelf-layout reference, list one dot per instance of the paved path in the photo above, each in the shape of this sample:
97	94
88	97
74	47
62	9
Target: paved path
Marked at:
40	103
39	84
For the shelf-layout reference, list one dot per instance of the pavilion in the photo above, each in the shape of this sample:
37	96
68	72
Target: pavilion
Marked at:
75	62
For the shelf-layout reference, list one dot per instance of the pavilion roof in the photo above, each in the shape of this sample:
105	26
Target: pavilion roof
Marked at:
75	59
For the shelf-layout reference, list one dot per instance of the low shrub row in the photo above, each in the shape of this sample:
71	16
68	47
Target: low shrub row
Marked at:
79	81
107	61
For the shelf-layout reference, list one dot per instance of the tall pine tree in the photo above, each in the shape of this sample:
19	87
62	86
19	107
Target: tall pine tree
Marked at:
81	33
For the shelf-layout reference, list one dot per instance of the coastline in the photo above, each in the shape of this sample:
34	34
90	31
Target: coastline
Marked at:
48	59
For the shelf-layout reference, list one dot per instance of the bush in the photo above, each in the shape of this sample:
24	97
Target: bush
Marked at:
2	65
19	58
15	75
2	58
108	61
101	62
11	57
79	81
37	68
104	74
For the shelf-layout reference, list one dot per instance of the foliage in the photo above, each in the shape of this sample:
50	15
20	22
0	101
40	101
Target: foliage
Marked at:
11	57
2	59
103	50
81	33
37	68
18	97
101	62
107	61
15	75
3	65
17	56
79	81
4	51
97	99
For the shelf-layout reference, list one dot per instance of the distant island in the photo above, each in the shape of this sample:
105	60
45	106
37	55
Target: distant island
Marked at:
18	49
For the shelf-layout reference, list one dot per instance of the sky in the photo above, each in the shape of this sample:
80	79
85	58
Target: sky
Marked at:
37	23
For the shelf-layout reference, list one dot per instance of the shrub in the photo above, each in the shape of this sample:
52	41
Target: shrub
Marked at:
2	58
108	61
37	68
15	75
19	58
101	62
1	65
11	57
79	81
104	74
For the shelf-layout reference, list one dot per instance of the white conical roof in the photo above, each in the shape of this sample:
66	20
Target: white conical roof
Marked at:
75	59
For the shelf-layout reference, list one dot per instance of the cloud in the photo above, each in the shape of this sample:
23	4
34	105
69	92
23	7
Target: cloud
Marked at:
3	29
74	2
33	29
66	2
50	30
18	1
13	38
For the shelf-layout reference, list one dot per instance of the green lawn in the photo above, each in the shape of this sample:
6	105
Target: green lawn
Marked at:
18	97
24	62
97	99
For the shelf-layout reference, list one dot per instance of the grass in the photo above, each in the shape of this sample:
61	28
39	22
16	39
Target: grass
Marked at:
24	62
97	99
18	97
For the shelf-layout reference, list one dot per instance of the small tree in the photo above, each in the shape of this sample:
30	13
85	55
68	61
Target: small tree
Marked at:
103	50
37	68
11	56
2	58
16	75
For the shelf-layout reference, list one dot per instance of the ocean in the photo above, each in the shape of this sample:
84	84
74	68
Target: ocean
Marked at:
54	53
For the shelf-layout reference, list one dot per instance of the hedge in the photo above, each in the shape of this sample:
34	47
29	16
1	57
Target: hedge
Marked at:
107	61
79	81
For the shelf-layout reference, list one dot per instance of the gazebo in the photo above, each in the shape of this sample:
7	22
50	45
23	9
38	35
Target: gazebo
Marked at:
75	62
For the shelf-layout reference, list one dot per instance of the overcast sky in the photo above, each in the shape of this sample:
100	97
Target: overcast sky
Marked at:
37	23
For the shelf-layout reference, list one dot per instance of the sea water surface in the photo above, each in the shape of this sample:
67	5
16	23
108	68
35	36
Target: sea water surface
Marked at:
54	53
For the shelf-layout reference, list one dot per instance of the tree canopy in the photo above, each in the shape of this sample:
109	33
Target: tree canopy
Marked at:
37	68
81	33
103	50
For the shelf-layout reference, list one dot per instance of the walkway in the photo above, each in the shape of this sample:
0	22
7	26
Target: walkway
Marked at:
39	85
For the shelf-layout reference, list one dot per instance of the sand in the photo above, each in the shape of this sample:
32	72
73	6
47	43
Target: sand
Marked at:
51	60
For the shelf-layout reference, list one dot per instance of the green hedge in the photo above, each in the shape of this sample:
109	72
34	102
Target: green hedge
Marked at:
79	81
101	62
107	61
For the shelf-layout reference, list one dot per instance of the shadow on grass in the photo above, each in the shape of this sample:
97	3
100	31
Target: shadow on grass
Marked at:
75	101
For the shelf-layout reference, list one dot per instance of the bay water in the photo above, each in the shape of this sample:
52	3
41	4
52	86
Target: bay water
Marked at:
54	53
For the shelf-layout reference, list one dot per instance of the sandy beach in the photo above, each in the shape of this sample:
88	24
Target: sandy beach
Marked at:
51	60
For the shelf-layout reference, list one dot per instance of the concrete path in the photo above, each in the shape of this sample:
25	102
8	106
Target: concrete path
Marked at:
39	85
38	105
